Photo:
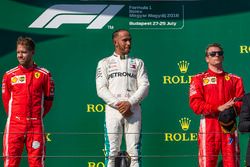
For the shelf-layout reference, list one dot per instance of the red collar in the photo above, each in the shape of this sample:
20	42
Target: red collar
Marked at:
216	74
27	69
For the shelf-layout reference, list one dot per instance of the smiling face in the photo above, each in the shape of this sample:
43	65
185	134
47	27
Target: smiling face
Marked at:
122	42
24	56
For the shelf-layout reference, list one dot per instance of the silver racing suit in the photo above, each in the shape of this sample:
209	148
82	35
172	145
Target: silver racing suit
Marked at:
122	80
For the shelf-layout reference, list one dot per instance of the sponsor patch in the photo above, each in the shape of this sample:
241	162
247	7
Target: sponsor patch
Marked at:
122	74
133	66
209	80
22	78
227	77
98	72
112	65
112	61
19	79
230	140
37	75
36	144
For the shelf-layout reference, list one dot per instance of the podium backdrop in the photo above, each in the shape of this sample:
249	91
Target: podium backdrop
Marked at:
170	36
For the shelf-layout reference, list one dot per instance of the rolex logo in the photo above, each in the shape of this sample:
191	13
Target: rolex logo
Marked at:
185	123
183	66
48	137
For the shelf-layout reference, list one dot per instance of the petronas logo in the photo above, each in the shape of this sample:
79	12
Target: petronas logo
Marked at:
183	66
185	123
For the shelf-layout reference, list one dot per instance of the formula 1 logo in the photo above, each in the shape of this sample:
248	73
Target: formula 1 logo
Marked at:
97	16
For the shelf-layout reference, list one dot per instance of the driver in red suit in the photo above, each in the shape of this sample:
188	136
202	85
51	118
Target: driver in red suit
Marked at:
212	92
27	93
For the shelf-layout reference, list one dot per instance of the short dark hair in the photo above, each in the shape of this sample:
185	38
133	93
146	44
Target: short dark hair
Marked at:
26	41
115	33
213	45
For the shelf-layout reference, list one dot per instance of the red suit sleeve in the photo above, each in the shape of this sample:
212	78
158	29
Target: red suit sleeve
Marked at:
239	93
6	92
197	100
49	88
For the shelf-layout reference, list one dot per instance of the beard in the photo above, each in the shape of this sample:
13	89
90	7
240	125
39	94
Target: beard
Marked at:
125	51
25	63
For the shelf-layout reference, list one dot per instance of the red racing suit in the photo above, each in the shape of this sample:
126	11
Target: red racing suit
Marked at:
208	91
27	97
